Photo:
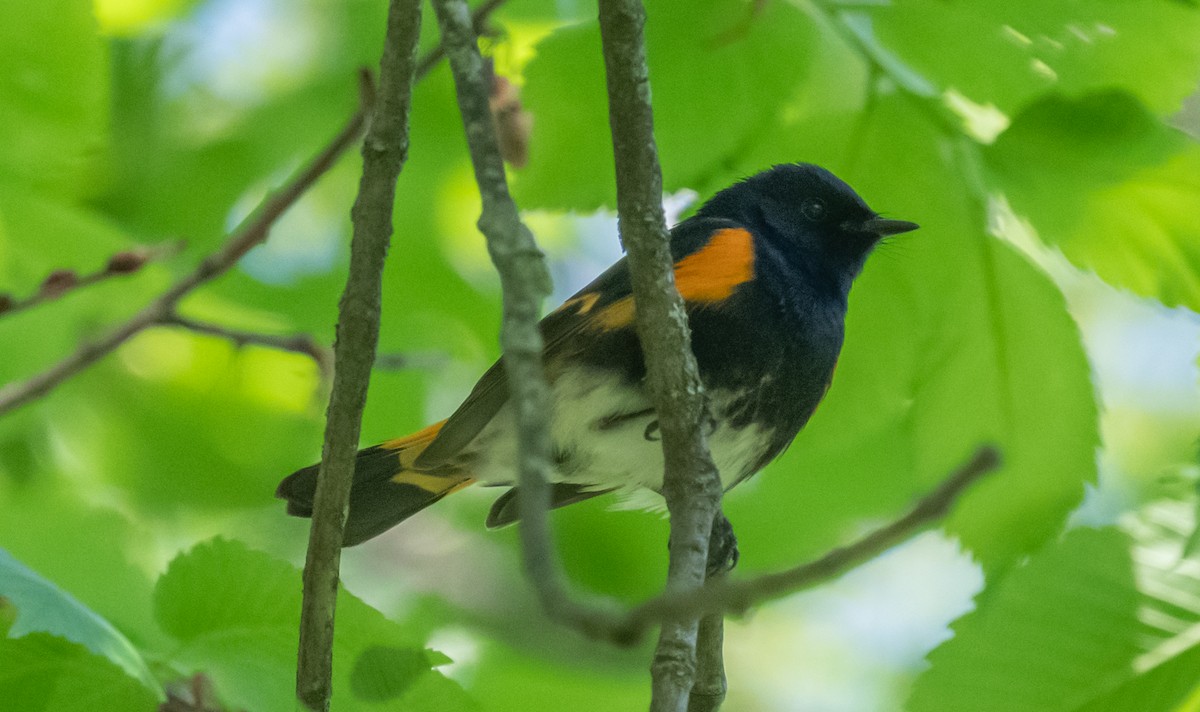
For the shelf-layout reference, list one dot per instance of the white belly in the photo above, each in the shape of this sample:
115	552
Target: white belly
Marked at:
626	455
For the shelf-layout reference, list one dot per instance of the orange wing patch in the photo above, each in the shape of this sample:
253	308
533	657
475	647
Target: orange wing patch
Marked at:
707	276
584	302
433	484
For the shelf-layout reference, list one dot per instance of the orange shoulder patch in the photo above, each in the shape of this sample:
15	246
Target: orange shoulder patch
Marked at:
711	273
707	276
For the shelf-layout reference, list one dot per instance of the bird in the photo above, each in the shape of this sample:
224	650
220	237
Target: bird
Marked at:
764	268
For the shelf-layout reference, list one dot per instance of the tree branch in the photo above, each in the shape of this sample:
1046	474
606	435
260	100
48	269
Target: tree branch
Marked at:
691	484
384	151
61	282
525	282
297	343
708	692
721	595
252	231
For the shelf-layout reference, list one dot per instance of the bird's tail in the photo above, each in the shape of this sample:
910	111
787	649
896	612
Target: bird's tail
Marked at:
386	489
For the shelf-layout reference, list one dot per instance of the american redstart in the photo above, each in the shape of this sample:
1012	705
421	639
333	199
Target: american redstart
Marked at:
764	268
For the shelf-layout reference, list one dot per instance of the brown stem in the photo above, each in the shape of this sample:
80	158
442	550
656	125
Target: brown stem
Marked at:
297	343
384	151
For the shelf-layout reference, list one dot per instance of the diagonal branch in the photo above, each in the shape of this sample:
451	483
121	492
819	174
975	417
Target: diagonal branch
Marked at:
691	484
61	282
384	151
252	231
721	595
525	282
296	343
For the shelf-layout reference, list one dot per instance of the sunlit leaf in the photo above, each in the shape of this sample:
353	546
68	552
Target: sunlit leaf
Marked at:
1001	657
1111	186
1008	53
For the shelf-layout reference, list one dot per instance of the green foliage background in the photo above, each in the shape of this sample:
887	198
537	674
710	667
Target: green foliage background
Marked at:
139	543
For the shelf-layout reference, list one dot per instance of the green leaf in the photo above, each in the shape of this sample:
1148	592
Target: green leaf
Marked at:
1008	53
384	673
949	337
1083	596
1112	186
711	96
1043	639
235	613
40	672
43	607
53	93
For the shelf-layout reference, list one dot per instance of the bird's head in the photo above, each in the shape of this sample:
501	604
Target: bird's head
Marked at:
816	222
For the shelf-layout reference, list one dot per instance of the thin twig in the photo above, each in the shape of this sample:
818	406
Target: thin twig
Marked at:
384	151
737	596
526	282
61	282
303	344
691	484
251	232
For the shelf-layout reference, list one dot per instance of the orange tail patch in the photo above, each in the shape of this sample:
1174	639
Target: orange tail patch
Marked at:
408	449
386	491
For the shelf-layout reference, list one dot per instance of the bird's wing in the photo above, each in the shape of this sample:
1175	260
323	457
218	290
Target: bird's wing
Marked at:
710	261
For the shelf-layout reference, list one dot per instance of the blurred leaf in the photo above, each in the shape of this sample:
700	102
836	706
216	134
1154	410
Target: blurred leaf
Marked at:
1111	186
1008	53
53	94
384	673
40	672
711	96
43	607
560	684
129	17
1046	637
171	420
235	613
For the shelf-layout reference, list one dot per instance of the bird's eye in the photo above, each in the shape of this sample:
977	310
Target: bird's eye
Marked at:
813	209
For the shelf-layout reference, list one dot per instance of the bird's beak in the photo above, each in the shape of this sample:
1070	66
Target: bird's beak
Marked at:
883	227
